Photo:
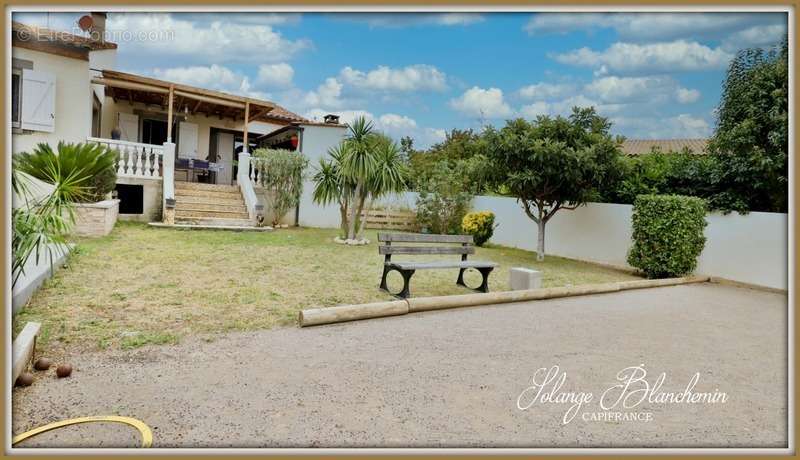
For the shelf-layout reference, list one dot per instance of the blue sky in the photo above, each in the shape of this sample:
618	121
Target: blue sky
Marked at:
655	75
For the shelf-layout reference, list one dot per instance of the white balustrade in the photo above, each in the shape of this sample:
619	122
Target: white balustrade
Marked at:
135	159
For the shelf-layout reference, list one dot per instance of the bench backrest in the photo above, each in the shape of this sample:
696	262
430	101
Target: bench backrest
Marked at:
388	249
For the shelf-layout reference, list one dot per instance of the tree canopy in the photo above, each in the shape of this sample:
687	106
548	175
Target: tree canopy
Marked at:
553	163
752	133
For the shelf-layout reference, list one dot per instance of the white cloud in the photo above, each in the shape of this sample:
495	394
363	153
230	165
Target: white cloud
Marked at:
327	95
171	37
214	76
650	58
545	91
412	19
275	75
483	103
756	36
687	96
531	111
646	27
418	77
394	121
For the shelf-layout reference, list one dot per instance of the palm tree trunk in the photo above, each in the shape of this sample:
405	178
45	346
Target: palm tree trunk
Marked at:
351	224
343	214
363	222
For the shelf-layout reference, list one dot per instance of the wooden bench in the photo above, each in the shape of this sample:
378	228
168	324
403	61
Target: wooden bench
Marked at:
407	269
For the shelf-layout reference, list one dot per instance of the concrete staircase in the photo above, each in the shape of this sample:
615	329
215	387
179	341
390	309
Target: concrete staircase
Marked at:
210	205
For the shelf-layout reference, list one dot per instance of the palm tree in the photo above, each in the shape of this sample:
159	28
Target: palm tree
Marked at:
365	165
389	175
357	165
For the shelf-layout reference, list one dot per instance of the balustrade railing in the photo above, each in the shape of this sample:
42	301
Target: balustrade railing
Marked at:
135	159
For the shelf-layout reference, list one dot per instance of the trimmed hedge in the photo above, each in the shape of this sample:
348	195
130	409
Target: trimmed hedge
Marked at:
667	234
480	225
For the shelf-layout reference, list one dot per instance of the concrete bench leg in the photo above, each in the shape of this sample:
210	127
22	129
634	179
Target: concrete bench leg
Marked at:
407	274
485	271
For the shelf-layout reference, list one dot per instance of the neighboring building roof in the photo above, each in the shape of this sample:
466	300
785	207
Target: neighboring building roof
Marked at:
641	146
27	33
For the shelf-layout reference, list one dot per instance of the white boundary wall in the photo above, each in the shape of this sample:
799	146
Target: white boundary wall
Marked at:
750	248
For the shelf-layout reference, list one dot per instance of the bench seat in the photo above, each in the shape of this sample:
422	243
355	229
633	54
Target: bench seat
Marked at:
442	264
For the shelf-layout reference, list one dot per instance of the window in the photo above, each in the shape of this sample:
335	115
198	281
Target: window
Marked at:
154	131
16	97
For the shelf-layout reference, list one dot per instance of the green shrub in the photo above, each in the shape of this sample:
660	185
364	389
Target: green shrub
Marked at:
480	225
442	201
282	174
92	166
667	234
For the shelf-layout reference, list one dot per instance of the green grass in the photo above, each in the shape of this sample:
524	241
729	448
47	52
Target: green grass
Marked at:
143	285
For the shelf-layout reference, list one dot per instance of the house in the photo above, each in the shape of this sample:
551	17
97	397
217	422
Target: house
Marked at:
184	150
642	146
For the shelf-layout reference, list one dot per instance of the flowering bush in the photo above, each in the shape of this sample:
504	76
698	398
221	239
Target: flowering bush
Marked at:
480	225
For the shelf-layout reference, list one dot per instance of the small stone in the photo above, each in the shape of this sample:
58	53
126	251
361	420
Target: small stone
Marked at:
42	364
64	370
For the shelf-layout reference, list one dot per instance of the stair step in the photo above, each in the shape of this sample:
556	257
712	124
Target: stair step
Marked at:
211	206
212	226
214	221
226	200
208	193
181	213
206	187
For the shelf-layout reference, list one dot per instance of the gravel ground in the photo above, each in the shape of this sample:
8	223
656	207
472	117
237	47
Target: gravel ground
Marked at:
444	379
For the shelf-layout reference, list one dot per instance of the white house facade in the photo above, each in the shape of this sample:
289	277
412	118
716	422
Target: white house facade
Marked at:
185	152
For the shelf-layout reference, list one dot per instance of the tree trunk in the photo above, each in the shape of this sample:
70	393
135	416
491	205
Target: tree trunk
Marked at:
343	223
363	222
540	246
351	224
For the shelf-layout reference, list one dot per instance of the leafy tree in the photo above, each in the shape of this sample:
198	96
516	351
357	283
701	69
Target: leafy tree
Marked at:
681	173
751	137
458	146
283	177
552	164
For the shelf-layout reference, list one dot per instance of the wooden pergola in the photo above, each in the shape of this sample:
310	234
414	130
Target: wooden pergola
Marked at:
170	96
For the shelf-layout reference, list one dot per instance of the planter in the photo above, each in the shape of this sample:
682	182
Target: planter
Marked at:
95	219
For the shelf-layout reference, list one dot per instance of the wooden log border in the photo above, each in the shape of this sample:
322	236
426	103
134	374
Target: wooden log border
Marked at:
331	315
23	349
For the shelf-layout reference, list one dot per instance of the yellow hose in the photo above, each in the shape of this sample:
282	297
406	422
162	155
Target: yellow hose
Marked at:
147	435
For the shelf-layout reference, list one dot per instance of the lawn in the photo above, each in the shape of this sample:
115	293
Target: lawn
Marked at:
143	285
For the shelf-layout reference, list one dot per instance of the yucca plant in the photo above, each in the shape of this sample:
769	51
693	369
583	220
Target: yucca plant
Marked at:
366	165
91	166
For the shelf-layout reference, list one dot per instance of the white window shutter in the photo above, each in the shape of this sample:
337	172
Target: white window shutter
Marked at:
38	101
129	127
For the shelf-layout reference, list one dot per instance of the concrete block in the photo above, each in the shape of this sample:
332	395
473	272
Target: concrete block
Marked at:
520	278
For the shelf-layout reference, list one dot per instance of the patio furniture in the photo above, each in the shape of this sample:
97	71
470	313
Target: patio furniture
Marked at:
422	247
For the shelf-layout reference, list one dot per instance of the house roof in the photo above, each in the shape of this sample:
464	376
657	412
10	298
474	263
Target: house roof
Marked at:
44	39
642	146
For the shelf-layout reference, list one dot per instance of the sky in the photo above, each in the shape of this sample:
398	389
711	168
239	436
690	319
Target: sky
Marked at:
654	75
